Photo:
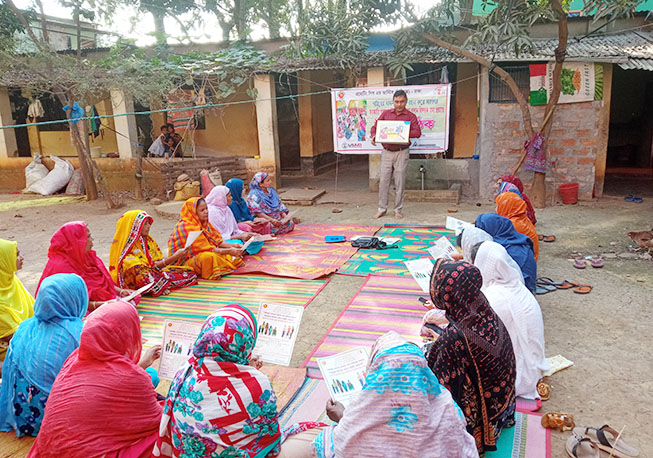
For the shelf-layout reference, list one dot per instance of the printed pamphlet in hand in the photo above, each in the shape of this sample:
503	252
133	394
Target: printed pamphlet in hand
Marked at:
344	373
421	270
192	236
456	225
278	325
178	340
442	249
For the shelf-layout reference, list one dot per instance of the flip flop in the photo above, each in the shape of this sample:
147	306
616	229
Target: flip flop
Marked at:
541	290
549	238
545	285
618	448
567	284
580	263
583	289
629	198
597	263
638	200
581	447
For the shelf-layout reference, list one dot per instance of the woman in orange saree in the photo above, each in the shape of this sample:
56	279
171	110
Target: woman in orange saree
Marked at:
210	257
513	207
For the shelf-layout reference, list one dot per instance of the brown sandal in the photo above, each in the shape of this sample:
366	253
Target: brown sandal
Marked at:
581	447
609	444
544	390
558	420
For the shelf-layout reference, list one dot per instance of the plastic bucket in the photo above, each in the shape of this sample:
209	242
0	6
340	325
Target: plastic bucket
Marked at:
569	193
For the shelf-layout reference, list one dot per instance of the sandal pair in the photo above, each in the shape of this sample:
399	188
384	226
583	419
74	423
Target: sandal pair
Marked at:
546	238
581	263
546	285
611	442
558	420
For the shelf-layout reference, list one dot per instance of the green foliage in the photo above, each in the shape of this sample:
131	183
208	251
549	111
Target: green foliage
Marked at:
9	27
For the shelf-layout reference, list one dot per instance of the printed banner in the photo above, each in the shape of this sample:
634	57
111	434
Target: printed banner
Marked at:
581	82
355	110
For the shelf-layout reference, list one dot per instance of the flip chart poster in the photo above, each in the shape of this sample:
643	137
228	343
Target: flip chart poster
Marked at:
355	110
421	270
344	373
278	326
178	340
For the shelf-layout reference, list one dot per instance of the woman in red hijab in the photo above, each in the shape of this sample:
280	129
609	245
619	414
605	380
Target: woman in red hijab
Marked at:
103	402
530	211
71	252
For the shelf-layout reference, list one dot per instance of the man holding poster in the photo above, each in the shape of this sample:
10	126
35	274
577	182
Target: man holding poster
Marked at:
396	149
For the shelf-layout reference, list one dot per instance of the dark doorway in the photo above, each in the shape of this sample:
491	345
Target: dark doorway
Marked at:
19	106
630	141
288	122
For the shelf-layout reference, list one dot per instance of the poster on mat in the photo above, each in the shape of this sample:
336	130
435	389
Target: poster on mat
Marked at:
278	325
355	110
178	340
344	373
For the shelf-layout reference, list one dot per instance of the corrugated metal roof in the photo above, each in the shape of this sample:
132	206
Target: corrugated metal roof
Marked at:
633	50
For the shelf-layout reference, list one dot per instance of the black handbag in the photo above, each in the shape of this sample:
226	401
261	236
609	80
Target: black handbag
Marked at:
371	243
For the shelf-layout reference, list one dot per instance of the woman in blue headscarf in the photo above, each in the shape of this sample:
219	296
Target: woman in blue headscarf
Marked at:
246	222
38	350
264	202
518	246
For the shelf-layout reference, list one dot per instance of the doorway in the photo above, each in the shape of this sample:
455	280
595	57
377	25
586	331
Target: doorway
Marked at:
19	106
288	122
630	140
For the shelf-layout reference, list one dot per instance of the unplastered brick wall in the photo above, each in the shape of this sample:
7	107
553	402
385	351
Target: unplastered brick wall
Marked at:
573	144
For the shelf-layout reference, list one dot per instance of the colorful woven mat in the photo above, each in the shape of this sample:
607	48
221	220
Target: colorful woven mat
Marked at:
382	304
303	253
308	404
286	381
197	302
527	439
414	240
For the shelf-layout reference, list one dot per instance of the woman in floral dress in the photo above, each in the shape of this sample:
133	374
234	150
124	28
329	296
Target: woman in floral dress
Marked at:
220	405
265	203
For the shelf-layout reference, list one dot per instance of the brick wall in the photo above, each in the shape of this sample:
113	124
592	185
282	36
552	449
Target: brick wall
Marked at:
572	144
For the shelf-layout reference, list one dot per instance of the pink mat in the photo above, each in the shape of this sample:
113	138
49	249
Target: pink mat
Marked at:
303	253
382	304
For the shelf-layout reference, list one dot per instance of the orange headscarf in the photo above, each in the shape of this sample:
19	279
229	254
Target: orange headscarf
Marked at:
513	207
189	222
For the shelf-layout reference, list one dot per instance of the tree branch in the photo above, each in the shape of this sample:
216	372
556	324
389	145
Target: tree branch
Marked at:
504	75
21	18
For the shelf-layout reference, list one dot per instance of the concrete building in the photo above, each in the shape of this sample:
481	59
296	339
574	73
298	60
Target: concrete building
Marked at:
288	133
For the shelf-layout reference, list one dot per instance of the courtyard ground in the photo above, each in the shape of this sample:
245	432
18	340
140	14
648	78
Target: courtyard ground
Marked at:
605	333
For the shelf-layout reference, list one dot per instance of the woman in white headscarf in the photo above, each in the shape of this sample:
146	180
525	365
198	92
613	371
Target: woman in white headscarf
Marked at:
503	285
470	237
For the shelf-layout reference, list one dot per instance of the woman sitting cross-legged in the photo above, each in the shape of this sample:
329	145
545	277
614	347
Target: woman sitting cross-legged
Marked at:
473	357
103	403
71	252
403	411
38	350
246	222
264	202
220	404
504	289
221	217
210	256
16	303
135	259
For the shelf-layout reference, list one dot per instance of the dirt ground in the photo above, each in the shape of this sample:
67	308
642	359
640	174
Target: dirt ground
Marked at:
605	333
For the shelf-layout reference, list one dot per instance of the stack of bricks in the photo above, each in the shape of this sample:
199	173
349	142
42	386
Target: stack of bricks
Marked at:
573	144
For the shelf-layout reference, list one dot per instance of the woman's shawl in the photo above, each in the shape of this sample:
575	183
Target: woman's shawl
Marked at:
220	215
470	237
238	205
217	401
260	201
513	207
42	343
518	246
67	255
530	211
189	222
101	401
129	248
473	358
402	411
16	304
516	306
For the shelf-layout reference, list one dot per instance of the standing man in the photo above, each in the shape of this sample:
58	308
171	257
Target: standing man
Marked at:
394	157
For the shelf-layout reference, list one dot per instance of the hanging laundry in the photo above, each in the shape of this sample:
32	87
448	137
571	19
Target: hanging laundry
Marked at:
76	113
96	122
35	109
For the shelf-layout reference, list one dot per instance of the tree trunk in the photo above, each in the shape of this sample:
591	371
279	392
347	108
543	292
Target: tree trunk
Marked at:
239	19
159	26
539	179
78	26
273	19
